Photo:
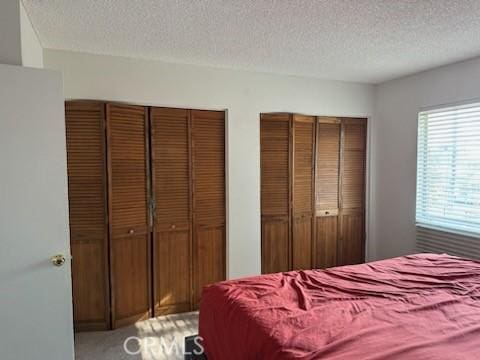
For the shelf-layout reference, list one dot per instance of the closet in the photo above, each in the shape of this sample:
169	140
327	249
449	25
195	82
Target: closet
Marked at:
188	183
147	209
312	191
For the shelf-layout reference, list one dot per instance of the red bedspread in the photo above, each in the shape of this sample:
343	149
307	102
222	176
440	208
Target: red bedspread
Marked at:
414	307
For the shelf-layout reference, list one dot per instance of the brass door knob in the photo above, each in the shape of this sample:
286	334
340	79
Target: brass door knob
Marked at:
131	231
58	260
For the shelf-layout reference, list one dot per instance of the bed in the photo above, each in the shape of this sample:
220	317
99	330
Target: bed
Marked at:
422	306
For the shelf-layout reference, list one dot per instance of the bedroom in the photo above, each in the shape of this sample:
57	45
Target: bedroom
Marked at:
393	64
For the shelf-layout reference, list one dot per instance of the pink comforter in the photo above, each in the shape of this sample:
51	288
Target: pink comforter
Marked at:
414	307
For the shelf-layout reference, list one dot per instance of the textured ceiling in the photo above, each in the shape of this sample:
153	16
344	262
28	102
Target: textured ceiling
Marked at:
353	40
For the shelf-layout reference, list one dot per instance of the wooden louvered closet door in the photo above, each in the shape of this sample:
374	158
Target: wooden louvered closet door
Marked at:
129	219
302	190
172	221
351	247
208	175
275	191
327	192
85	137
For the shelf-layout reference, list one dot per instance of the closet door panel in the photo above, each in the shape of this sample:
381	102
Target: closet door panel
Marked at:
302	190
327	191
352	188
208	174
172	269
129	219
302	243
172	222
326	245
85	138
275	192
129	276
89	296
275	244
351	246
210	257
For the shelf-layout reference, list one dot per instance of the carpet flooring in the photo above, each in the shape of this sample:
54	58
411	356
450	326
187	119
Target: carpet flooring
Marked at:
153	339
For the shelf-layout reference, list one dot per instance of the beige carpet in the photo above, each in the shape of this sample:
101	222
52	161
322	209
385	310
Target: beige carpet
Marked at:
160	338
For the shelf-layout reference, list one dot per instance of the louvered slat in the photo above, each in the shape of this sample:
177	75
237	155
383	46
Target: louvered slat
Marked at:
209	167
128	196
128	168
274	143
170	144
327	163
87	204
208	173
275	191
353	172
171	188
303	137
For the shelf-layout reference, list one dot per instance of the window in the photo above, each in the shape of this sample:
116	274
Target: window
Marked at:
448	169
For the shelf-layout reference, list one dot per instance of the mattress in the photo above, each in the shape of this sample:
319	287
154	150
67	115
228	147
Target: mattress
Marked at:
422	306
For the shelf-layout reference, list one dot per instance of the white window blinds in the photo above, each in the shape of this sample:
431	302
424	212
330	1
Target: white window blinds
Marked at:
448	169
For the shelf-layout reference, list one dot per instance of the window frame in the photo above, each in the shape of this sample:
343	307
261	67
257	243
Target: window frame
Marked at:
436	225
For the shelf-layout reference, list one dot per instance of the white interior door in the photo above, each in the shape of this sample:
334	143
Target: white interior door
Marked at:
35	296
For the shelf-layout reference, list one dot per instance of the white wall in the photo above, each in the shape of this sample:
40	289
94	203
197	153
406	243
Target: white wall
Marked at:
19	44
10	38
244	94
393	170
32	51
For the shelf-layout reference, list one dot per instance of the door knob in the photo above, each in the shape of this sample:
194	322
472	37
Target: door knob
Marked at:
58	260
